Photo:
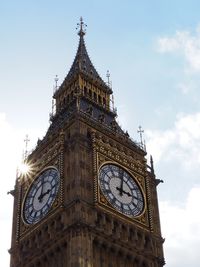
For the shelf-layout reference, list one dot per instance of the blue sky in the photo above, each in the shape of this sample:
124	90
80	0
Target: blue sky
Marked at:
152	50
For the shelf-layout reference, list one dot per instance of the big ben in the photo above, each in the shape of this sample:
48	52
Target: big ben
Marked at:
90	199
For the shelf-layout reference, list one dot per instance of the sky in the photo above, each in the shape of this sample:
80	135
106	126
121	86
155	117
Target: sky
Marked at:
152	51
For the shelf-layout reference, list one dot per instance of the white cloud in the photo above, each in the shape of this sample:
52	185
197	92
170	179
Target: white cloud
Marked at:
185	43
185	88
182	142
9	156
12	149
9	152
12	145
181	227
177	152
166	44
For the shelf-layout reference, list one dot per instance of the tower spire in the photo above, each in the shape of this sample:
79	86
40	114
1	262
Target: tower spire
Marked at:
82	63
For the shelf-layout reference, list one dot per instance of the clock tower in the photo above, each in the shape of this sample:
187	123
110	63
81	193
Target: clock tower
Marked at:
89	198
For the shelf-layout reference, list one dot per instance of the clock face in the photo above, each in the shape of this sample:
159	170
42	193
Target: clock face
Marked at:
41	195
121	190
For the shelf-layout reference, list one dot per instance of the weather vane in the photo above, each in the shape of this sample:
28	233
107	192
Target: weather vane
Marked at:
82	27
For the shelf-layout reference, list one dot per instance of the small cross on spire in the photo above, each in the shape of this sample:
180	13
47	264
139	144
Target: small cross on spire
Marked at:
108	77
140	131
26	140
82	26
56	81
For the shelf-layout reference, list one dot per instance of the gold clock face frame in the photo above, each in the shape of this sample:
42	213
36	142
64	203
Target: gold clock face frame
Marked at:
41	195
121	190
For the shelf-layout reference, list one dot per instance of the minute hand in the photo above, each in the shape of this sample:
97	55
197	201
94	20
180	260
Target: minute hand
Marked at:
42	189
122	182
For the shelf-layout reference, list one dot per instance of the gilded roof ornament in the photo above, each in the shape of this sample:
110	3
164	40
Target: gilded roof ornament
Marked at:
82	27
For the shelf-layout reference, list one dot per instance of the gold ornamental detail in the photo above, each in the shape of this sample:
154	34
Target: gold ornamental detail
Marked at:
120	157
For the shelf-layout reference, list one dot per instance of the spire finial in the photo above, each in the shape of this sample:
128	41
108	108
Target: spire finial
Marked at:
26	140
142	141
140	131
82	27
108	77
56	83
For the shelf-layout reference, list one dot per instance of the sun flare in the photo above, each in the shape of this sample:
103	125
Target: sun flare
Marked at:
24	168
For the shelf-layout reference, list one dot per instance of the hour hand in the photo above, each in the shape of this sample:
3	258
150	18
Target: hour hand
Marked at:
127	193
43	194
121	187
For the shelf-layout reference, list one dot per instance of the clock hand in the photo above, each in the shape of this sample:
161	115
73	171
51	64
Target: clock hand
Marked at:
122	191
127	193
47	192
42	188
44	194
122	182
